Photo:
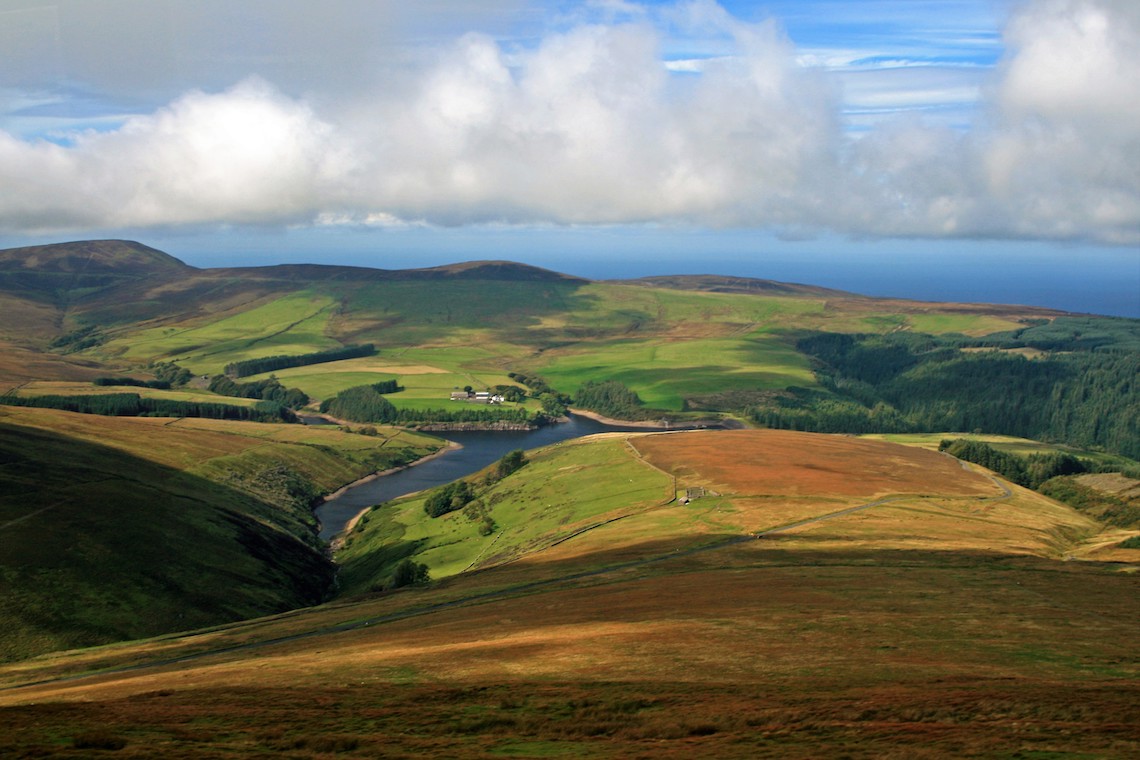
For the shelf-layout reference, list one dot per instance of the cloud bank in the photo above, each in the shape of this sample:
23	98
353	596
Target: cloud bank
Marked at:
588	125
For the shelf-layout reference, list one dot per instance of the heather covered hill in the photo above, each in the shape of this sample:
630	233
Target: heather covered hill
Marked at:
784	606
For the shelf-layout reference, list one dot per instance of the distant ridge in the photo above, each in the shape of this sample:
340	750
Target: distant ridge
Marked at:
714	283
471	270
120	257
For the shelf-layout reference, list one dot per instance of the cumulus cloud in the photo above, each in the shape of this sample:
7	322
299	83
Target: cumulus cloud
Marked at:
590	126
246	155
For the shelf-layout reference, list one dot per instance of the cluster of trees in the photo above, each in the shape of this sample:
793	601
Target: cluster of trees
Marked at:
553	402
269	389
1029	471
133	382
1052	475
387	386
409	573
133	405
611	398
364	403
449	498
907	383
1105	507
169	372
462	495
248	367
1067	334
361	403
77	340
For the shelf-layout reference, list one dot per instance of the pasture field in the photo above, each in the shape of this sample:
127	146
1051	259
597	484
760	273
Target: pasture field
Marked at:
565	490
667	633
665	373
292	324
667	345
428	374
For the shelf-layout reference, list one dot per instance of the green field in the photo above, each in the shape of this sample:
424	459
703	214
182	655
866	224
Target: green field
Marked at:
667	345
665	373
551	500
293	324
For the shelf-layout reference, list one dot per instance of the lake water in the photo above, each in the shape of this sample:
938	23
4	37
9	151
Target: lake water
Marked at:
480	449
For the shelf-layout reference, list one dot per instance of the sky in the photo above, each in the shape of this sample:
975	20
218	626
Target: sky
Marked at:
945	149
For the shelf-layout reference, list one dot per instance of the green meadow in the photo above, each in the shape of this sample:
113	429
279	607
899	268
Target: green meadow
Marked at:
670	346
665	373
293	324
561	491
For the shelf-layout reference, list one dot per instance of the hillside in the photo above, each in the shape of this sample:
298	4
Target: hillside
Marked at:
823	596
686	347
114	529
90	257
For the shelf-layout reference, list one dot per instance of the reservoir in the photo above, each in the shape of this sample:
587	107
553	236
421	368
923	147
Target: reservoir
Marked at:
480	448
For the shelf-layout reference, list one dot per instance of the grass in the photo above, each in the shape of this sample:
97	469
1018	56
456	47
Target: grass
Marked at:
564	490
114	528
665	374
1010	444
933	626
292	324
670	346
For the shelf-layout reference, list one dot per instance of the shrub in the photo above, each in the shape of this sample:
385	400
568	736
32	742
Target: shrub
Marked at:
409	573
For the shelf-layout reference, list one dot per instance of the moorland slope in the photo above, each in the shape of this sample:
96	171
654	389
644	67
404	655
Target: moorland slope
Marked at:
924	611
114	528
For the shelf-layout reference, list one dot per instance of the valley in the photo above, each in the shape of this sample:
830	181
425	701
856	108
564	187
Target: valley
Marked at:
825	579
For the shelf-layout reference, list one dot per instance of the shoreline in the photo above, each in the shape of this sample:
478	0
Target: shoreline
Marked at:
338	538
616	423
662	424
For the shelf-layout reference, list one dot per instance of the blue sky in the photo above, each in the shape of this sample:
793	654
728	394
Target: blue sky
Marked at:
873	139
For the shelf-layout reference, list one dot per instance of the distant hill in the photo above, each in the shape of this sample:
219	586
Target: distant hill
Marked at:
713	283
122	257
490	271
63	272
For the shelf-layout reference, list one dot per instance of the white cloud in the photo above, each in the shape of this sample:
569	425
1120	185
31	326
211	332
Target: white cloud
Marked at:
590	125
246	155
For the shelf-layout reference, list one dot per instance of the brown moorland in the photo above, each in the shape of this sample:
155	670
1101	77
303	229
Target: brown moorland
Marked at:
786	463
821	642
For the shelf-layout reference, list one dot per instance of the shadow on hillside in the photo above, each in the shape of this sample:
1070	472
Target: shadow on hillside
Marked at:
97	545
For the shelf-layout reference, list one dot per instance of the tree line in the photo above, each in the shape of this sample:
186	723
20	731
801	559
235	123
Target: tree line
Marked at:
911	383
133	405
613	398
269	389
247	367
1053	475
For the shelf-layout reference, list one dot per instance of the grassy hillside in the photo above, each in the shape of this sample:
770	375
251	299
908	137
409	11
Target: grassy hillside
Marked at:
114	528
896	604
675	341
